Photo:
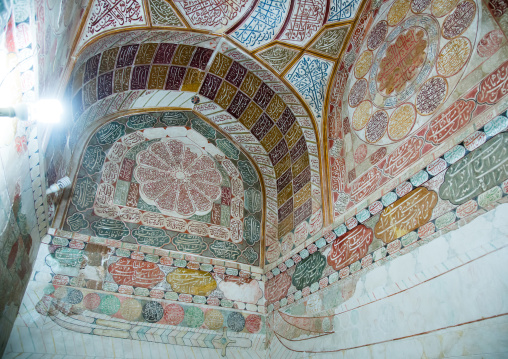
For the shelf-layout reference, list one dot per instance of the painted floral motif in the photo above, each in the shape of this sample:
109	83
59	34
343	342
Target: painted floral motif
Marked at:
178	178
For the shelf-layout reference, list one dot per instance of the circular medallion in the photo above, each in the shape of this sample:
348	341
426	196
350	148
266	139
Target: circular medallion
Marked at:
194	317
490	43
173	314
404	61
130	309
376	127
442	7
236	321
179	178
153	312
110	304
418	6
362	115
214	319
74	296
459	20
360	153
273	252
60	293
401	121
287	243
398	11
253	323
357	93
49	289
431	95
453	56
377	35
91	301
363	64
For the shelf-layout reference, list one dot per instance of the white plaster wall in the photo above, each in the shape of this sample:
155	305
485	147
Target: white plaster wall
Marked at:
447	298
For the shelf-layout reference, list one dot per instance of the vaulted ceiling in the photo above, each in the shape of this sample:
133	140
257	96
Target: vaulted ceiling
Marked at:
250	167
244	83
314	108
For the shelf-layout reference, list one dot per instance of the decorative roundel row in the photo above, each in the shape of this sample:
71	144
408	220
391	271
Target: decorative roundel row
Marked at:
410	62
151	311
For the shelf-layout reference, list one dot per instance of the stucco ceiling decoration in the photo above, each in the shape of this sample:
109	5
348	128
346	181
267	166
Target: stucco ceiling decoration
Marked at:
242	168
169	180
320	27
127	61
258	111
385	102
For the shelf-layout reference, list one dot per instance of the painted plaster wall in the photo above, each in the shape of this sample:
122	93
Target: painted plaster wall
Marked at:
98	301
51	334
443	299
20	182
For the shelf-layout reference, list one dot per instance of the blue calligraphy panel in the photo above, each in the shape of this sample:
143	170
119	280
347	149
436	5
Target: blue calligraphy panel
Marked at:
310	78
264	23
341	10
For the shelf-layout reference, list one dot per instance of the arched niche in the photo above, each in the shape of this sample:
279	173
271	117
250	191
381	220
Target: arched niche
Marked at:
257	110
169	180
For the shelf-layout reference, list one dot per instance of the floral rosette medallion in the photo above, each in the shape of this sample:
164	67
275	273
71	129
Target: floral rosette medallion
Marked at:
179	178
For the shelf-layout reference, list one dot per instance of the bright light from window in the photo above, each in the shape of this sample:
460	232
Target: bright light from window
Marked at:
46	111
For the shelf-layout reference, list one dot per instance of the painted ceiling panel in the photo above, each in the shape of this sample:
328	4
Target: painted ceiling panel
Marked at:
224	84
278	57
216	16
105	15
310	77
307	17
163	180
162	14
233	160
264	24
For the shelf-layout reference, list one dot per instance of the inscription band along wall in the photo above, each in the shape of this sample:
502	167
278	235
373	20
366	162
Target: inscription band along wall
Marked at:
492	130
